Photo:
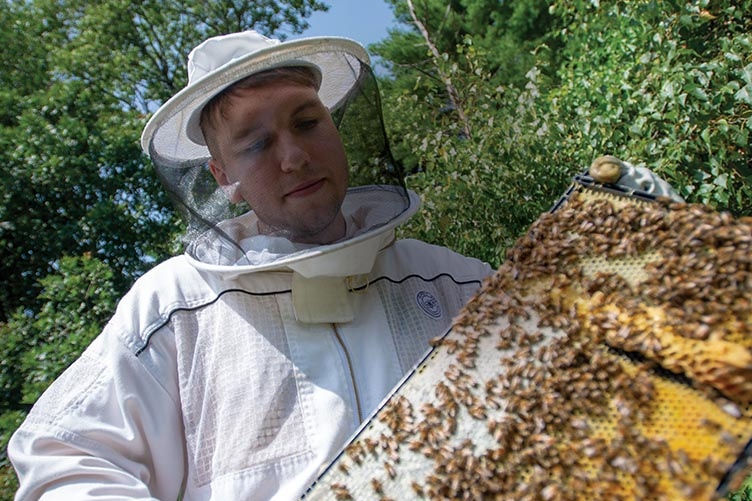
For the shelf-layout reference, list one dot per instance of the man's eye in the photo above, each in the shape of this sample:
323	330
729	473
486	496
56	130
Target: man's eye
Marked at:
258	146
308	124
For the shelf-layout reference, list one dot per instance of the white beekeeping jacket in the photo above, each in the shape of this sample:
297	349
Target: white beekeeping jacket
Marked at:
234	382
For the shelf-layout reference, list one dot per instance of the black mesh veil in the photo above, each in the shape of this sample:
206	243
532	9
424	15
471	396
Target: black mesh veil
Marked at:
358	118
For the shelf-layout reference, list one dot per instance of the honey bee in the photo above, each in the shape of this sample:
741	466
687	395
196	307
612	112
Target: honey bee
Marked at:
417	489
341	492
389	468
376	486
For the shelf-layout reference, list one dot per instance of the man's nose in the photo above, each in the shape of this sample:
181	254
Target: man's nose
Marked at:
292	153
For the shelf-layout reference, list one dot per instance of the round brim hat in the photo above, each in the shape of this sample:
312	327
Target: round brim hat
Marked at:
173	133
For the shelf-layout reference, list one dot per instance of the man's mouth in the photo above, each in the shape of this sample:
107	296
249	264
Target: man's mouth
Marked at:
305	188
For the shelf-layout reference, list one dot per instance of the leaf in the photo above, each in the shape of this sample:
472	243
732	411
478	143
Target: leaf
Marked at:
721	180
747	73
742	138
744	94
699	93
705	135
667	90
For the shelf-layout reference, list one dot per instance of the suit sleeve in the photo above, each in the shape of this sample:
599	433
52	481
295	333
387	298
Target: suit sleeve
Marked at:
109	427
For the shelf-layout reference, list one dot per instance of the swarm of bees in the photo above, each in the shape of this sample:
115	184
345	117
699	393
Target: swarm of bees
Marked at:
610	357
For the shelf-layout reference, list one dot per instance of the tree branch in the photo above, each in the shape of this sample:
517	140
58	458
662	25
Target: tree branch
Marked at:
451	90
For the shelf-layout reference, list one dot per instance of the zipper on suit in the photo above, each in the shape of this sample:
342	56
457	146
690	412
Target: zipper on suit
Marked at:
348	362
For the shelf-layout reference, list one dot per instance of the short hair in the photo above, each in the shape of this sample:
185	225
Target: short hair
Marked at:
215	108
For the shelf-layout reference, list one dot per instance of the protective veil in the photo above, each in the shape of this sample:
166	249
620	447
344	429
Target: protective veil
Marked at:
347	88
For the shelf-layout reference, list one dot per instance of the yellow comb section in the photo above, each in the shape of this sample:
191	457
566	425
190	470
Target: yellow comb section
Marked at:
610	358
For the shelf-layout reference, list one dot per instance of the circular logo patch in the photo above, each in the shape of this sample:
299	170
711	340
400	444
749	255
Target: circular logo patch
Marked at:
429	304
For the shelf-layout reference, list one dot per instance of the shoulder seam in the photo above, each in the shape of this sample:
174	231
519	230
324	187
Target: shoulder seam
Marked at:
414	275
166	318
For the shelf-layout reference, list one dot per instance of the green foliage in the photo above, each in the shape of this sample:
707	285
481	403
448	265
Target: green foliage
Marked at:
75	178
663	83
660	84
744	493
9	421
479	193
34	349
506	32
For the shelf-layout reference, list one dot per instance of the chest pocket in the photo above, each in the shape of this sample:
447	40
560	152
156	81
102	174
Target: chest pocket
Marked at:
419	309
238	386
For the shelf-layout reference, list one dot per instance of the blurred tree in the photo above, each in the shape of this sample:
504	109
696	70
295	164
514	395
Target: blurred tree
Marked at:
507	32
480	193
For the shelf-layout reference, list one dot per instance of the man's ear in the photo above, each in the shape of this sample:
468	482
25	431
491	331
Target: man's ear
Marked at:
230	188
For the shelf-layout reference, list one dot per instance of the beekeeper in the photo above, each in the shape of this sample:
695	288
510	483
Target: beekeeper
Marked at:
236	370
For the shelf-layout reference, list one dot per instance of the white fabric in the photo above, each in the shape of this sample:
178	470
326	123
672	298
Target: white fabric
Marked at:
205	381
321	300
371	212
212	54
173	131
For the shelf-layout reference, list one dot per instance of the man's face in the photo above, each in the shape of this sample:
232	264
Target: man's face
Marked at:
278	145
